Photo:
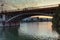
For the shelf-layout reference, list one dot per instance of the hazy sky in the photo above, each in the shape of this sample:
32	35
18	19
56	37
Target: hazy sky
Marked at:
39	2
43	16
13	4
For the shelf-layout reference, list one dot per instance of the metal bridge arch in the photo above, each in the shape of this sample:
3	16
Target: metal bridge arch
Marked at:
24	15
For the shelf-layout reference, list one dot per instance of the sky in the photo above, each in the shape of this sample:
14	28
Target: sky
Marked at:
15	4
43	16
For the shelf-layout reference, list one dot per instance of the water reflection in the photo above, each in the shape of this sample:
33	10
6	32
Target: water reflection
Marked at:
38	29
30	31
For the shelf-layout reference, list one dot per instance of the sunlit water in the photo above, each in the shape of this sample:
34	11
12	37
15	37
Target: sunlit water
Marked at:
38	29
30	31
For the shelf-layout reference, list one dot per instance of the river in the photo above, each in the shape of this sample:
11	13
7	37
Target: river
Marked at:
31	31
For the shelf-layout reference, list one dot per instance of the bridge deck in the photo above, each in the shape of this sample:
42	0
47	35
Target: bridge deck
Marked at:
42	10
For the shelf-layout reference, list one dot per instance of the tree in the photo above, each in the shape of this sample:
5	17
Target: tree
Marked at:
56	20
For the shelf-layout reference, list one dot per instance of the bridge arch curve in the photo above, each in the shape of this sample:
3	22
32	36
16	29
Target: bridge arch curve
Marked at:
25	15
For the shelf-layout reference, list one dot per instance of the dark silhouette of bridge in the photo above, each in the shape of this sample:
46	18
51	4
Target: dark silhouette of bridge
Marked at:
18	15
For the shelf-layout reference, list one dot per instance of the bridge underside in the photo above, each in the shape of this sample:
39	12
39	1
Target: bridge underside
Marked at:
19	17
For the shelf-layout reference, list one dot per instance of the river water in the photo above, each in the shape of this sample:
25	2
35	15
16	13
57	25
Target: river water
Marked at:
30	31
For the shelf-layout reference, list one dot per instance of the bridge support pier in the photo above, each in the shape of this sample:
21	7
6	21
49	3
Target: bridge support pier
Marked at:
3	22
56	20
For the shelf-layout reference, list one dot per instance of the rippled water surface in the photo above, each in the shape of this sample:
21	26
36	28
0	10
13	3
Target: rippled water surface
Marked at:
30	31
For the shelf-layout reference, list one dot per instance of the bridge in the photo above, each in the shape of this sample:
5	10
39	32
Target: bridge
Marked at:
16	16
